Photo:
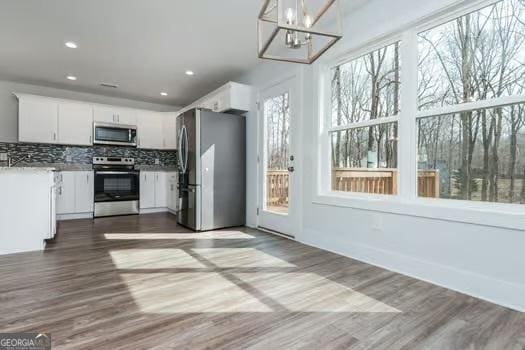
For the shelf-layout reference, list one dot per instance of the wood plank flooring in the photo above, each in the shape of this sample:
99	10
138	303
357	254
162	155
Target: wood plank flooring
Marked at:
142	282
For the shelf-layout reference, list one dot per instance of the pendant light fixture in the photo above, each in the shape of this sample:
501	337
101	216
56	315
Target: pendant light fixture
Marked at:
298	31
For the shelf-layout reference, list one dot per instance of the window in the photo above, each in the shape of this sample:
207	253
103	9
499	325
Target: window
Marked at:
473	154
463	125
365	105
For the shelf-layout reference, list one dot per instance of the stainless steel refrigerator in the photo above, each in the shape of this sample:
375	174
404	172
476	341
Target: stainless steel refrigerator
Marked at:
211	170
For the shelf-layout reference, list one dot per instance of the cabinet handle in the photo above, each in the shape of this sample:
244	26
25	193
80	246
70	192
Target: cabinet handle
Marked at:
87	178
90	139
54	136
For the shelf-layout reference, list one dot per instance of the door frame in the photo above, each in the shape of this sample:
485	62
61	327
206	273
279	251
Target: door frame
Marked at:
293	83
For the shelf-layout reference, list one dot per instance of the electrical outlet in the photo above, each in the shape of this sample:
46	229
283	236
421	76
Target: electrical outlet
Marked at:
3	157
157	161
69	159
377	223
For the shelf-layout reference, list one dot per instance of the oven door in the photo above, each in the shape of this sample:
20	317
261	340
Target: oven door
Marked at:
116	186
112	134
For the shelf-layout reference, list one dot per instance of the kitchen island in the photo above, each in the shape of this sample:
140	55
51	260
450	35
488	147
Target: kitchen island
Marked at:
27	208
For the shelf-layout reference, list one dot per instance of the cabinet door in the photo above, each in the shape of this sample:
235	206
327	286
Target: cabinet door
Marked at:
173	195
147	189
84	191
37	120
126	116
161	189
169	129
66	193
150	132
104	114
75	124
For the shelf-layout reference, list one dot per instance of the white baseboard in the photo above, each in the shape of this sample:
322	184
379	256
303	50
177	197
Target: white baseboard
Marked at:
153	210
75	216
496	291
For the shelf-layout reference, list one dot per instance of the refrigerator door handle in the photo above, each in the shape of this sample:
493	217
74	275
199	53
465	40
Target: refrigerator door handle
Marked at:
185	149
183	143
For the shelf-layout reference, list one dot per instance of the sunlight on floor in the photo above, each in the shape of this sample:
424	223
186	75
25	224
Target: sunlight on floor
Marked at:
189	293
309	292
240	257
175	235
153	259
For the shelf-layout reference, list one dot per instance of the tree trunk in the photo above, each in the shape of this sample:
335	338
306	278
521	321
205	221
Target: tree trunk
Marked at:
493	184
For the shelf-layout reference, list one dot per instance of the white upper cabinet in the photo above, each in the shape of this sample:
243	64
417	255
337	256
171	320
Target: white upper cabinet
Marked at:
231	97
50	120
126	116
150	130
103	114
114	115
37	120
169	130
75	124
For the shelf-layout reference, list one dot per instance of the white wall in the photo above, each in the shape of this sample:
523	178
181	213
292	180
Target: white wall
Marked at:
9	104
487	262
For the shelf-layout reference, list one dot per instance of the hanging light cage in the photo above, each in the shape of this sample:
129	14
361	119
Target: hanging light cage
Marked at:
298	31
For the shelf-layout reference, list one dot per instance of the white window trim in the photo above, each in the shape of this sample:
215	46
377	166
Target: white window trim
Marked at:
407	202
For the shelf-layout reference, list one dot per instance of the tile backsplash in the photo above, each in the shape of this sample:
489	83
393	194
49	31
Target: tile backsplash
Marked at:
64	154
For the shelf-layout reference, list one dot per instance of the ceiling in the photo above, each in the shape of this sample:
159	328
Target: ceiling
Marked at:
143	46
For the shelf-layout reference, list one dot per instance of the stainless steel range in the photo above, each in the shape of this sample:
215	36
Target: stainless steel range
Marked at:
116	186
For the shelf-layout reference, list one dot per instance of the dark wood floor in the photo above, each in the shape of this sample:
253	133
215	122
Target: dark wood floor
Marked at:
142	282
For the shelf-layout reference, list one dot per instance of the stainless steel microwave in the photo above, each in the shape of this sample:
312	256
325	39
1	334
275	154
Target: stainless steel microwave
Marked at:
114	134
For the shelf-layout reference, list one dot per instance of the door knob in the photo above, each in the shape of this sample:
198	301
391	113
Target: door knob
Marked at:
291	169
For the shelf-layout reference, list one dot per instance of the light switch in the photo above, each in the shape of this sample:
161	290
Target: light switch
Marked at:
3	157
157	161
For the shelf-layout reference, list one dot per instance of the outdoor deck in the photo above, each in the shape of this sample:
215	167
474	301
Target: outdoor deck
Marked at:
377	181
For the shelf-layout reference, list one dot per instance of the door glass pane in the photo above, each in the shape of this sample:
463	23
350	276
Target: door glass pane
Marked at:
277	152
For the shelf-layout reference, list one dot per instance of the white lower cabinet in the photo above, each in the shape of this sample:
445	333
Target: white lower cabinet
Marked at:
147	189
155	189
161	189
75	192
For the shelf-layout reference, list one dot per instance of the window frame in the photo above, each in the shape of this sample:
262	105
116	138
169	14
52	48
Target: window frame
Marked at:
365	123
407	201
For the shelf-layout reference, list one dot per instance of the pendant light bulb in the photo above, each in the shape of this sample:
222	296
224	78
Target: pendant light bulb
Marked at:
290	17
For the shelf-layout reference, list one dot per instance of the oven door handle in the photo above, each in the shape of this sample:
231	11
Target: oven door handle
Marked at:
116	173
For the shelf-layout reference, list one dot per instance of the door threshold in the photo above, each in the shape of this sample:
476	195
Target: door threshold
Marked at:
277	233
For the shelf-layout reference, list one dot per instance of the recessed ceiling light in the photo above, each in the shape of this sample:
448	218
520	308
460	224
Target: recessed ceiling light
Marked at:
71	77
71	45
190	72
164	94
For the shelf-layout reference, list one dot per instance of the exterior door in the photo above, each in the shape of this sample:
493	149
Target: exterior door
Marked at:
276	158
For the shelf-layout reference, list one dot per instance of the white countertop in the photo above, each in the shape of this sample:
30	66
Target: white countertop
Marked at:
26	169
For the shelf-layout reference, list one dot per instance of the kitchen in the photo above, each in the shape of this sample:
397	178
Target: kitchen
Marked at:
107	160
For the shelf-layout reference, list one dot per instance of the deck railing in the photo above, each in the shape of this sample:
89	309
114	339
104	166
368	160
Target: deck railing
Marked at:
378	181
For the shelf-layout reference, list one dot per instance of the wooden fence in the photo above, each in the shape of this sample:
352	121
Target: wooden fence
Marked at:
379	181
